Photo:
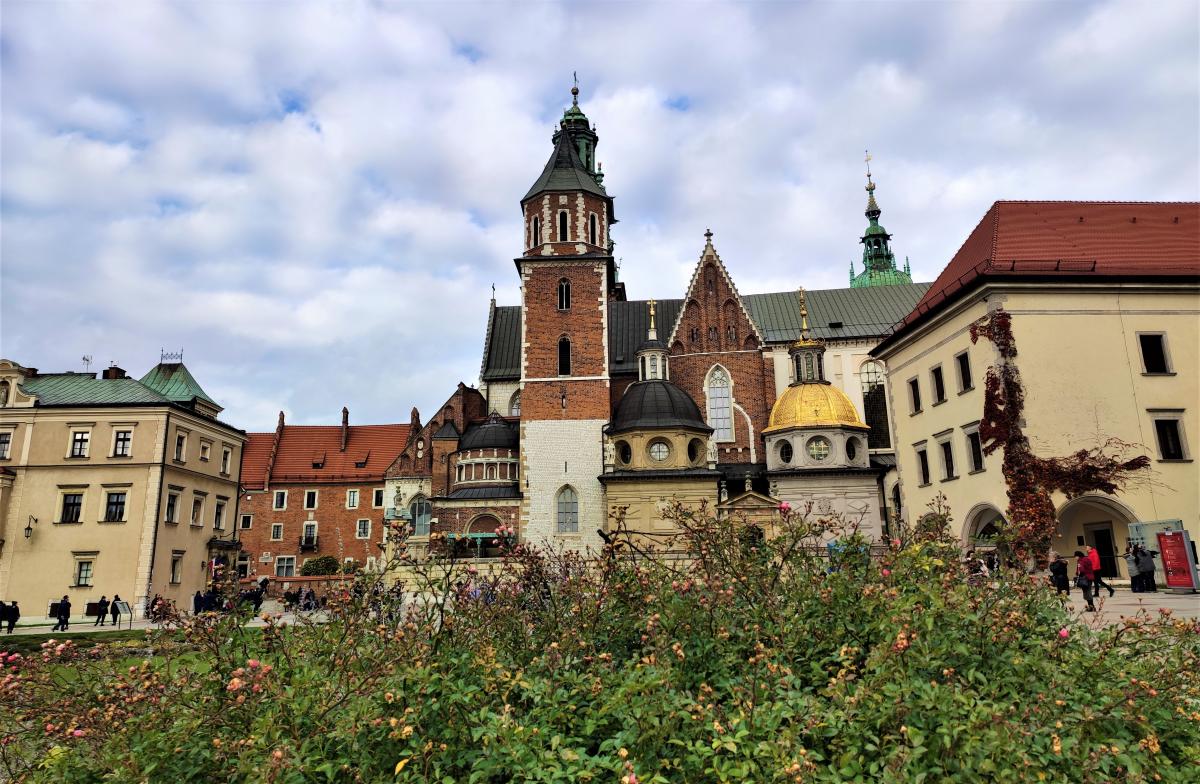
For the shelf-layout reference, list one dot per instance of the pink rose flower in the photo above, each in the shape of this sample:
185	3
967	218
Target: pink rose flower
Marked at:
886	572
1064	633
785	507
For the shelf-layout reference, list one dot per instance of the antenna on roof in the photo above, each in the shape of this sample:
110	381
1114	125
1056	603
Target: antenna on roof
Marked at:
87	362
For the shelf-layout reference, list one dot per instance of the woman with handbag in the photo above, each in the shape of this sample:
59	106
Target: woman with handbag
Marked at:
1085	574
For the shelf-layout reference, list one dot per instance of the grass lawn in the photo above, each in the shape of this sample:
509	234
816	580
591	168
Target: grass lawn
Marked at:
26	644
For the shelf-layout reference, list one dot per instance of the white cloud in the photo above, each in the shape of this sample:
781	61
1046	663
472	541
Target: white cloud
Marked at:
313	199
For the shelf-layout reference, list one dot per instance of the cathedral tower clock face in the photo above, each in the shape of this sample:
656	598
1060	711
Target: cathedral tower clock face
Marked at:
818	448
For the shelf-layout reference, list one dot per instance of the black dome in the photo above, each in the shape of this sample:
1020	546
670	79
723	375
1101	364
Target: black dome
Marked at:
494	433
650	405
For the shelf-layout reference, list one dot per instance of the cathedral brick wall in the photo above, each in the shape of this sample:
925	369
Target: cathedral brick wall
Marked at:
585	400
460	519
583	323
578	206
752	380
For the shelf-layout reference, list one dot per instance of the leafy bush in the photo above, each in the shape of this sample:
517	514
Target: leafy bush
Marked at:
351	567
325	564
759	662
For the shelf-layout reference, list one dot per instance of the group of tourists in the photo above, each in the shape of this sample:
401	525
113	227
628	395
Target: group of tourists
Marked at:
104	608
10	613
1090	580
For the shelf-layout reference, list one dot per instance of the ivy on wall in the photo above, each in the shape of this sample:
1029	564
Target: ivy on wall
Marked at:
1032	479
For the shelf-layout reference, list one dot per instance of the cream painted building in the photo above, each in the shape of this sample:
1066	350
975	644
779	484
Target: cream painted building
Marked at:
1105	307
112	485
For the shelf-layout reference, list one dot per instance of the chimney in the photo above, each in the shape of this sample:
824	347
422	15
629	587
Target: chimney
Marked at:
345	427
113	371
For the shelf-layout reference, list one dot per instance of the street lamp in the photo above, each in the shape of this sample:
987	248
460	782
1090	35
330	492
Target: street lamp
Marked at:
29	526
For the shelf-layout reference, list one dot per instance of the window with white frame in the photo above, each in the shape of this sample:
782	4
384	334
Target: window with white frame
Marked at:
79	443
1169	434
180	448
5	444
362	529
310	499
176	568
280	501
421	511
377	498
171	515
923	464
276	532
720	404
963	363
197	510
205	451
226	459
122	443
563	221
247	522
310	533
1155	360
83	572
974	447
946	450
567	510
514	404
352	499
219	515
564	294
285	566
114	506
72	507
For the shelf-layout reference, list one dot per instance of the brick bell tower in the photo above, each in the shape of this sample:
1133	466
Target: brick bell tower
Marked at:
567	280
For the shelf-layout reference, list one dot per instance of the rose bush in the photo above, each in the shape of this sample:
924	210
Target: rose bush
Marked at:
751	660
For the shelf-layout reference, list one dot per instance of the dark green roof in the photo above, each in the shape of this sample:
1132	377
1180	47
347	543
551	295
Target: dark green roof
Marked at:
84	389
862	313
173	381
565	172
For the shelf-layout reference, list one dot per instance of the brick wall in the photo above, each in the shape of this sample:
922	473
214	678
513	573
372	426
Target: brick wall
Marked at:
583	323
336	525
579	207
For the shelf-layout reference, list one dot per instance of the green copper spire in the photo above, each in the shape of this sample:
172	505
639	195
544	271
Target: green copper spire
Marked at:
879	263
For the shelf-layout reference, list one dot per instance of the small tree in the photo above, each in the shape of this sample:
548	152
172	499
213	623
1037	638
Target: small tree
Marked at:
325	564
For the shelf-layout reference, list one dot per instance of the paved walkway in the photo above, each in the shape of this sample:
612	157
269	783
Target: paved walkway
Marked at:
1125	603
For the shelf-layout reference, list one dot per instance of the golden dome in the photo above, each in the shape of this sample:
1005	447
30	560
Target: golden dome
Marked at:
813	405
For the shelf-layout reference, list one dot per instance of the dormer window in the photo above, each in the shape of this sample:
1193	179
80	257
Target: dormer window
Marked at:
564	294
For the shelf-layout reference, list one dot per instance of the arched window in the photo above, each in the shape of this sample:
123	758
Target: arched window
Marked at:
514	404
535	232
421	511
491	471
653	366
720	404
567	506
875	410
592	229
564	294
564	356
731	335
562	226
712	334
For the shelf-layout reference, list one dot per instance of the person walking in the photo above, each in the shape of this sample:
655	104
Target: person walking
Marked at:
115	610
63	615
1084	574
1145	562
14	615
197	603
1131	566
1058	575
101	611
1093	555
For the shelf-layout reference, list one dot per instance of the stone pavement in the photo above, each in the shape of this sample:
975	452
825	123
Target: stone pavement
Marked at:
1125	603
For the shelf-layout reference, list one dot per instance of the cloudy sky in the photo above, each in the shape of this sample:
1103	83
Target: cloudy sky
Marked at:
313	199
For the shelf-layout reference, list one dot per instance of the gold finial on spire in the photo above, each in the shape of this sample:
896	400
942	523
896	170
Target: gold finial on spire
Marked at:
803	315
651	314
575	88
870	185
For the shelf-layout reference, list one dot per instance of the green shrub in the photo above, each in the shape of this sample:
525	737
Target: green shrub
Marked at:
746	663
321	565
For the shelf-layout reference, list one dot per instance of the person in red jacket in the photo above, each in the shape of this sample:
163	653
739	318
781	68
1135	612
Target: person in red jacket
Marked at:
1084	574
1097	579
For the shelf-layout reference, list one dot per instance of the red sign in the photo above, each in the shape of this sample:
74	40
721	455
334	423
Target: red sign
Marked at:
1177	559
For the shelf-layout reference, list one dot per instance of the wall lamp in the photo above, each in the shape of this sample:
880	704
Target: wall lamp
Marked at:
29	526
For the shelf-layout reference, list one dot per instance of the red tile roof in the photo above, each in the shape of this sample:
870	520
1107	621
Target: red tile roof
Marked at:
302	445
1080	240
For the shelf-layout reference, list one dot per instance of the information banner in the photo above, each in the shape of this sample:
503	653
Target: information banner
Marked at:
1175	549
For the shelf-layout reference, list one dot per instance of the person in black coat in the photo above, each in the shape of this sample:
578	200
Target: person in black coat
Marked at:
1058	575
198	603
14	615
64	615
101	611
116	611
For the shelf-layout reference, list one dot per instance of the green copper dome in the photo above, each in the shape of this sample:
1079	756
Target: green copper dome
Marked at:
879	263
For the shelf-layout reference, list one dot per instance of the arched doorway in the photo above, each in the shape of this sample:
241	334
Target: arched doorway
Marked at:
982	526
1100	521
478	539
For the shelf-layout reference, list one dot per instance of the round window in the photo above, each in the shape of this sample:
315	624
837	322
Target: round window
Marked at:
659	450
818	448
851	449
624	453
785	452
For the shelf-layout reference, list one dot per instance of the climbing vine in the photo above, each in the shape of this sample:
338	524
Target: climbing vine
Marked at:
1031	479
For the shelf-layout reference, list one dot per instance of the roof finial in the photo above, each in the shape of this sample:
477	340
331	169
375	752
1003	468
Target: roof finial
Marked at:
872	208
493	293
575	89
803	315
651	303
708	235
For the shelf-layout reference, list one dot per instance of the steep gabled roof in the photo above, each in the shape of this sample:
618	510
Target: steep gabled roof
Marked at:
565	172
376	446
503	345
1078	240
173	381
710	254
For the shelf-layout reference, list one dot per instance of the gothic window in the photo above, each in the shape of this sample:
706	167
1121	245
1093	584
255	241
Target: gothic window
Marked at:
694	334
567	505
514	404
871	374
712	334
420	510
564	356
592	229
710	282
564	294
720	404
562	226
535	232
731	335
